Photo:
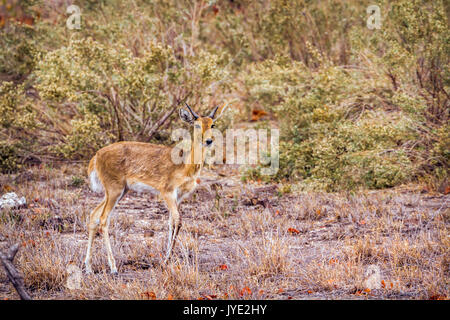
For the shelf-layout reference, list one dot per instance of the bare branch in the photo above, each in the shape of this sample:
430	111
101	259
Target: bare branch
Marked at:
166	116
13	275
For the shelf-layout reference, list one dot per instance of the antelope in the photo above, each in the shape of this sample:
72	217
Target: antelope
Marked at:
145	167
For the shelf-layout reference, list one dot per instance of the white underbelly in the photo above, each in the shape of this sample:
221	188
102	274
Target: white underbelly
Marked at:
142	188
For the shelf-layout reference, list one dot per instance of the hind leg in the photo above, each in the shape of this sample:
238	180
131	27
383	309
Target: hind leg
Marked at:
113	197
93	223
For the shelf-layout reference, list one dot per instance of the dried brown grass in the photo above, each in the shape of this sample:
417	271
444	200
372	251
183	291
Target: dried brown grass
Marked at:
233	249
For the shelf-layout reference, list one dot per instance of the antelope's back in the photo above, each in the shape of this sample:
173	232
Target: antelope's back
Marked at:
121	162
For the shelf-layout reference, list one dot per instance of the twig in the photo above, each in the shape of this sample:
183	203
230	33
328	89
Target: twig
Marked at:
12	273
166	116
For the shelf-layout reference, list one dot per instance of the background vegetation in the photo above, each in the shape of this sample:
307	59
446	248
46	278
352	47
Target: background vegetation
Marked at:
357	108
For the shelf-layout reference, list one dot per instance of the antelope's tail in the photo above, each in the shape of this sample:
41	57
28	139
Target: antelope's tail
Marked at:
95	183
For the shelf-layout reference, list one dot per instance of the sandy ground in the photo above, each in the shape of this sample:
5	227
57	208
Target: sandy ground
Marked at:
237	241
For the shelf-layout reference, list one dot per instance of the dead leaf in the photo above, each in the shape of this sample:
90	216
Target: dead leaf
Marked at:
257	114
245	290
438	297
210	296
215	9
333	261
7	188
149	295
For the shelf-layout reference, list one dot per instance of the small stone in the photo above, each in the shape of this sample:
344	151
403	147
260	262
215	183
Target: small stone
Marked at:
11	200
372	277
73	277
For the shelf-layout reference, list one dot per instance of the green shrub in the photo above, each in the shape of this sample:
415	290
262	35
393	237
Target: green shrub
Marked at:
260	30
18	40
9	158
357	108
18	50
118	96
76	181
336	131
441	147
17	120
370	126
16	112
84	138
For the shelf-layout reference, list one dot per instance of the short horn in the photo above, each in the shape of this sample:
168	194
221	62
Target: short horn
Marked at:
213	113
196	116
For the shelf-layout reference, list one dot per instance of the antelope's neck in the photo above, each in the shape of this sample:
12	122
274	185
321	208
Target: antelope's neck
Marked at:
193	166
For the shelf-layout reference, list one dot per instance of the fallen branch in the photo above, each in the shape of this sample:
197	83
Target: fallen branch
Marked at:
12	273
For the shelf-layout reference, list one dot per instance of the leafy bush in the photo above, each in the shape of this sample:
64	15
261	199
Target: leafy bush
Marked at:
16	111
18	39
369	125
356	107
117	96
335	130
9	158
18	50
17	117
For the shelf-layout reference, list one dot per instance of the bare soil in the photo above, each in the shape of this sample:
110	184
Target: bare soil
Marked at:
237	241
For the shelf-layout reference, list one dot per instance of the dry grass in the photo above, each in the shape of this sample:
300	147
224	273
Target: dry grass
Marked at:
238	241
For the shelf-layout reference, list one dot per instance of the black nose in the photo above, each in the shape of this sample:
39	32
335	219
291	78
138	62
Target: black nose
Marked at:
209	141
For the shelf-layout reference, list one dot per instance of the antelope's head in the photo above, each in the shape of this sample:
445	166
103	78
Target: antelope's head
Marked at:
202	125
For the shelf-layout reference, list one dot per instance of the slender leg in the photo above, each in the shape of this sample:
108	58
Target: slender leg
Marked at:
177	227
169	237
174	222
112	200
94	220
174	228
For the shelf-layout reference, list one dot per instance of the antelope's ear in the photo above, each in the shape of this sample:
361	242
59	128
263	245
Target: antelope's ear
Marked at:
186	116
